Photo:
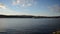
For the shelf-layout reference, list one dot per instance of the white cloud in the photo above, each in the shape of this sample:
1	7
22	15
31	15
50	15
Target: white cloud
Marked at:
29	5
24	3
55	8
14	3
6	11
18	1
12	12
2	6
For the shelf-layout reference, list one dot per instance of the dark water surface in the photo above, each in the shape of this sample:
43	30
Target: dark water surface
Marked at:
29	25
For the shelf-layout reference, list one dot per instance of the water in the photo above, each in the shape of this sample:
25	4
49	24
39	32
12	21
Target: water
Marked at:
29	25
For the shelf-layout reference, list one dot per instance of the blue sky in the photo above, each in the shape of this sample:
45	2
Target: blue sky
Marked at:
30	7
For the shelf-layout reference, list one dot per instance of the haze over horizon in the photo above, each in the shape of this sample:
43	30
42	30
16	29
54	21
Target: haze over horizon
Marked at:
30	7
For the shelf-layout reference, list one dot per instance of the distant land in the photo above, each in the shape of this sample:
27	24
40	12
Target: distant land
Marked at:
26	16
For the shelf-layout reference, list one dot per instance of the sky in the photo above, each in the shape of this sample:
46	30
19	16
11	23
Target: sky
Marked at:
30	7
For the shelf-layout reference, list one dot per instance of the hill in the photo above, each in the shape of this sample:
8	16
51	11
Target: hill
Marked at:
26	16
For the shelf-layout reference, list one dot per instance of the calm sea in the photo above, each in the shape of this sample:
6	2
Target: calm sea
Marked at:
29	25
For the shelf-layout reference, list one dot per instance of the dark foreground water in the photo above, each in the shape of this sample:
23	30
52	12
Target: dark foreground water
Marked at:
29	25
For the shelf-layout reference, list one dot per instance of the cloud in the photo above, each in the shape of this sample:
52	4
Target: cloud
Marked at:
2	6
7	11
12	12
18	1
24	3
29	4
55	8
14	3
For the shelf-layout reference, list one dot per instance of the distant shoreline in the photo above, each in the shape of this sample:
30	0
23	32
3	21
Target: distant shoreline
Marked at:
26	16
